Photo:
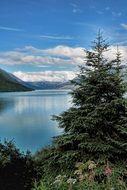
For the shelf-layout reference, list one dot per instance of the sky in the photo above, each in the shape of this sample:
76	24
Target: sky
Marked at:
45	39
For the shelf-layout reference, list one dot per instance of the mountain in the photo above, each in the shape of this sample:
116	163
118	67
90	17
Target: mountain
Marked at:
41	85
10	83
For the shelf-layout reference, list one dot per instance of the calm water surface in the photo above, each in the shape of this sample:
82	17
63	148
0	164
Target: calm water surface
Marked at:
25	117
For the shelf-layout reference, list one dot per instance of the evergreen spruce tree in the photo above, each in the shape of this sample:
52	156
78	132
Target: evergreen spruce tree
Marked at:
95	127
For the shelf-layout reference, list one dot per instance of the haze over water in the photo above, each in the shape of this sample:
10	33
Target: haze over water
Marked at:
25	117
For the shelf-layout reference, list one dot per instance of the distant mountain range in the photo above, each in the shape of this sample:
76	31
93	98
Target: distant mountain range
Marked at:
41	85
10	83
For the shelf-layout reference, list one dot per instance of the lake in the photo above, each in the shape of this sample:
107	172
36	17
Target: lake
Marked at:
25	117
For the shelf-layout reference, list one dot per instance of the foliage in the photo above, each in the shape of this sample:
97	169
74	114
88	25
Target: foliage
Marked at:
17	170
39	186
85	177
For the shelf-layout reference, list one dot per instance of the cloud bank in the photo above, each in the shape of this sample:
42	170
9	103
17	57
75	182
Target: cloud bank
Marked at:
59	55
62	56
55	76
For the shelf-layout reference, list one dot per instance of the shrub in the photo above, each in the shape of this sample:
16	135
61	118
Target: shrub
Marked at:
17	170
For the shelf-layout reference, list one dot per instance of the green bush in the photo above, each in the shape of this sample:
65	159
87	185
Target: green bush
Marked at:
17	170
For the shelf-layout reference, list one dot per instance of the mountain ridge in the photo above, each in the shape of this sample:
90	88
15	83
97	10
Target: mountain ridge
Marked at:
10	83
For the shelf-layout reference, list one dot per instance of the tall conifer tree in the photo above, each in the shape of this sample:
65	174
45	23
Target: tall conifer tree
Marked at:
95	127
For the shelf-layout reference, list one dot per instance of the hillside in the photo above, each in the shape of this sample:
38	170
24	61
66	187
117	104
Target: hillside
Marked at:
9	83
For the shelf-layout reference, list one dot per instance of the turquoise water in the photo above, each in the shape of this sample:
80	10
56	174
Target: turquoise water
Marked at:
25	117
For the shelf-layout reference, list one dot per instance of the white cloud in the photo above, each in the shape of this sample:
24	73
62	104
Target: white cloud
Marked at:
74	5
116	14
75	8
14	58
53	76
57	37
111	54
58	51
124	26
107	8
10	29
66	51
62	55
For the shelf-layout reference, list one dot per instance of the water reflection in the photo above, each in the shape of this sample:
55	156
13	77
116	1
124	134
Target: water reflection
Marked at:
5	104
26	117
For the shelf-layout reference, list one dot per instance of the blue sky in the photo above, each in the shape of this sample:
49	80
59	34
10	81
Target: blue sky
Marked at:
46	37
